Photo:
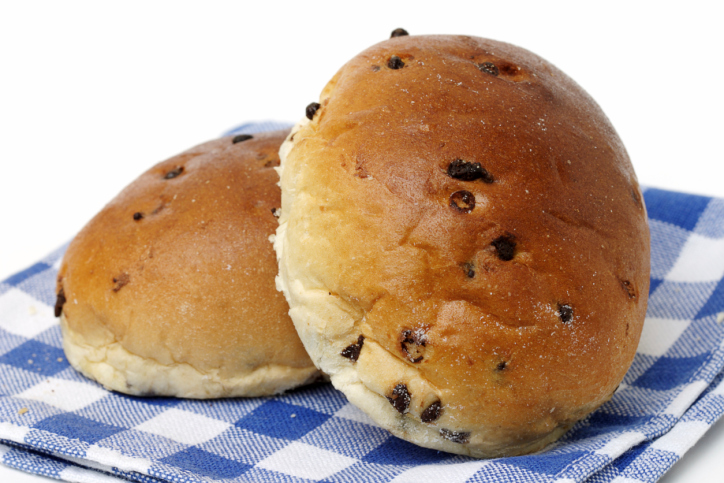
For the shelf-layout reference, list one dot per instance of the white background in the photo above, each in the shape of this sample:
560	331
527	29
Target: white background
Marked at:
94	93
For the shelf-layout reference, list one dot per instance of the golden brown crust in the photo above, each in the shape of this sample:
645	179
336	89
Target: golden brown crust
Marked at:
517	298
178	268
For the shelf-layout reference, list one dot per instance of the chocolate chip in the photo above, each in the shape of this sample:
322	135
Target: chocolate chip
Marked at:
241	137
400	398
565	312
628	287
137	215
120	281
432	413
412	345
488	68
312	109
399	33
466	171
352	351
395	63
59	302
460	437
501	366
469	269
463	201
505	247
174	172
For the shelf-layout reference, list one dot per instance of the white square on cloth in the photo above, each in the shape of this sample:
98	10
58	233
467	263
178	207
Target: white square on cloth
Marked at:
184	426
306	461
66	395
660	334
23	315
701	260
618	445
681	437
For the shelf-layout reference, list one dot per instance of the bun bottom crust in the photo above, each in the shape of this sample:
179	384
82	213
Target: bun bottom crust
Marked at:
119	370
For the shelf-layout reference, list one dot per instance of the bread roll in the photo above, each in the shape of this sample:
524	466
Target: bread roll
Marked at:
169	290
463	244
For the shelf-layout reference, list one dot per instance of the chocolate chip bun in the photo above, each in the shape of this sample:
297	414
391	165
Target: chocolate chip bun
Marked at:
169	290
463	244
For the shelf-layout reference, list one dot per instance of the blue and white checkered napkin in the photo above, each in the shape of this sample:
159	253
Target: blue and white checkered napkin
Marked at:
55	422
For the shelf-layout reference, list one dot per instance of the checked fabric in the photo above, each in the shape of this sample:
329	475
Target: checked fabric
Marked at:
56	423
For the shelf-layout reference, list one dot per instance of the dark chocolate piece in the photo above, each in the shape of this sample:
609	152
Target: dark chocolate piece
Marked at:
501	366
412	345
121	281
565	312
505	246
399	33
469	269
460	437
137	215
241	137
174	172
395	63
463	201
312	109
489	68
59	302
466	171
432	413
628	287
400	398
352	351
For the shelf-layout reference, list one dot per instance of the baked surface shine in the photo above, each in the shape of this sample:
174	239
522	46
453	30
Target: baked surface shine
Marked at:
169	290
463	244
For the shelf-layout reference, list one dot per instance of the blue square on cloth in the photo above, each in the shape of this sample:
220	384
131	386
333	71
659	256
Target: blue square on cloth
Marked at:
551	462
679	209
670	372
601	422
20	277
715	304
36	357
9	341
77	427
281	420
396	451
207	464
